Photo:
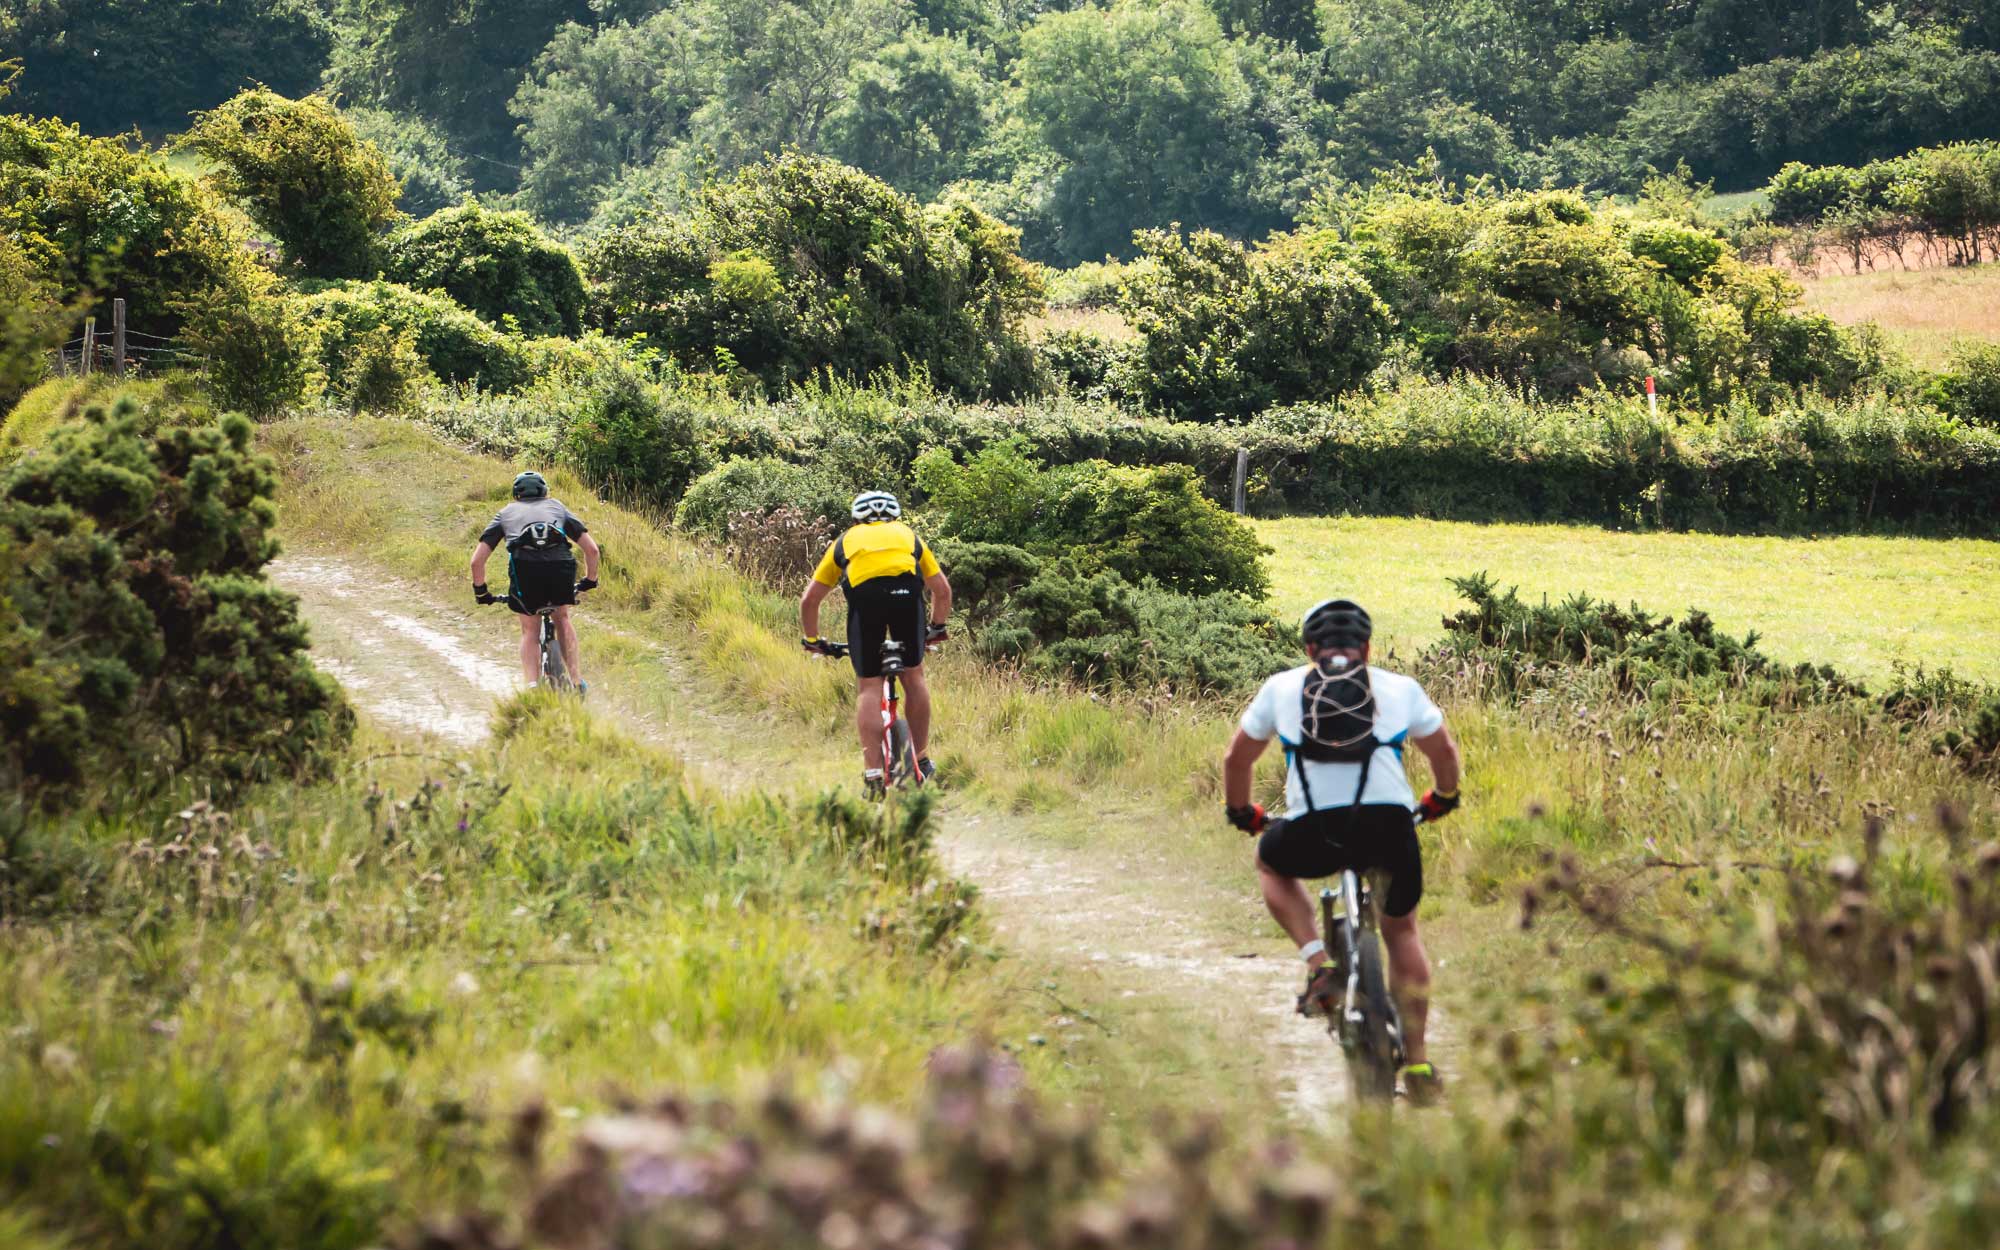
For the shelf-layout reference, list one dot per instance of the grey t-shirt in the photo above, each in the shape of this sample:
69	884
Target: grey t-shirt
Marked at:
519	517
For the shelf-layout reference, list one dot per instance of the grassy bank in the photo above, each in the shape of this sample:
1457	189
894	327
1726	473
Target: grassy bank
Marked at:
1923	311
1857	603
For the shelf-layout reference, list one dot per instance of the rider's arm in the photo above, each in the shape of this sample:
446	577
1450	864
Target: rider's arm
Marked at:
816	593
1442	752
1239	763
940	598
590	555
479	555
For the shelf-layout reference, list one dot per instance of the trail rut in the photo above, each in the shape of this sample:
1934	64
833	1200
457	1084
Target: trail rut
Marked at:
1109	919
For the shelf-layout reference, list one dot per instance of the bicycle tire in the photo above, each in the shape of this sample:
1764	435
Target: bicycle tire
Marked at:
554	673
901	762
1372	1062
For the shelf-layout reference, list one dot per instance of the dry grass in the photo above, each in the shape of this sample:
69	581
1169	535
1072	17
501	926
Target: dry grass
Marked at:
1924	311
1105	322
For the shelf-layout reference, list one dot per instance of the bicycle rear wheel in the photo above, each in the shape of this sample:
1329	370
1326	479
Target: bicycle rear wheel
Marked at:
1373	1059
900	762
555	674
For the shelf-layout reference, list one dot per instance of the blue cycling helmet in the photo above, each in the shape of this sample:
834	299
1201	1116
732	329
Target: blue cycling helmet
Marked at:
531	485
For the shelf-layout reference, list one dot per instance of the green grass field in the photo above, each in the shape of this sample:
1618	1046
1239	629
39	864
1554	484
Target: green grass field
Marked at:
1860	604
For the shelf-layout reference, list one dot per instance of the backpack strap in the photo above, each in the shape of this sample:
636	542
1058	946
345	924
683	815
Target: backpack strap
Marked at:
840	553
1297	761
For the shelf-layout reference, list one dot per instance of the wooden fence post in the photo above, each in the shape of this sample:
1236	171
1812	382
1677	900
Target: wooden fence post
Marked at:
118	337
1240	496
89	346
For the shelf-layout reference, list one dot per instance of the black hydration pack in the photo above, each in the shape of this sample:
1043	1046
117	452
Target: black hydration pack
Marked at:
1337	721
543	540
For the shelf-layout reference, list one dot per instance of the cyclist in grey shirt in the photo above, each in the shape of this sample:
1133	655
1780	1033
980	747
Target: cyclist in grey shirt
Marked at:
538	533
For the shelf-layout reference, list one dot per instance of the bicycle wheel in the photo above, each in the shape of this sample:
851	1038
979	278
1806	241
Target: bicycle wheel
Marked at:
900	762
555	675
1372	1060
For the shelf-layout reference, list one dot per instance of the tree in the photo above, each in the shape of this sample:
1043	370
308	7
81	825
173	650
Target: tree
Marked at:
1148	107
30	323
500	265
111	65
455	63
301	172
139	632
921	108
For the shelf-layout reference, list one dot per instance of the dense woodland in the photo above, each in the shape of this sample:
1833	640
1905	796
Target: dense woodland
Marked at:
1076	123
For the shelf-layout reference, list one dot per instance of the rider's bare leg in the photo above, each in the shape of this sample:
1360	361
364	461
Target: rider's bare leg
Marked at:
868	721
566	634
1410	979
531	648
1291	907
917	709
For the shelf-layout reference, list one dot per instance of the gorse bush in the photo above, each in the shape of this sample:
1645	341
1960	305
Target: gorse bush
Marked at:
629	437
738	486
142	638
499	265
1654	657
1970	390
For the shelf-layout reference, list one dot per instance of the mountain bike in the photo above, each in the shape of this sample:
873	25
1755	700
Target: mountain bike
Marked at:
555	670
1364	1019
899	754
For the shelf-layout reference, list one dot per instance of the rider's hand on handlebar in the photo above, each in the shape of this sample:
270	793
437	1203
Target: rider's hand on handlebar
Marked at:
1436	806
588	583
813	646
935	635
1250	818
481	595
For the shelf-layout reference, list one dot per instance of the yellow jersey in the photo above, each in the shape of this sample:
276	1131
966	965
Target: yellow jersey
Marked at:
875	549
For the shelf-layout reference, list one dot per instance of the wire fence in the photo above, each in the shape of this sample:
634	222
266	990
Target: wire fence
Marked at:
144	354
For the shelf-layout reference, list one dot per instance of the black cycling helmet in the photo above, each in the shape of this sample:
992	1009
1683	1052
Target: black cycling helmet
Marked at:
531	485
1337	623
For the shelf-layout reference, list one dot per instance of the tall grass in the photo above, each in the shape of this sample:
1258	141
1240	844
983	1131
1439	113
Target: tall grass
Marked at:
280	1025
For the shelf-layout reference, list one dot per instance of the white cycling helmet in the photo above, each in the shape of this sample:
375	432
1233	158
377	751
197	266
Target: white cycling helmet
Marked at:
876	505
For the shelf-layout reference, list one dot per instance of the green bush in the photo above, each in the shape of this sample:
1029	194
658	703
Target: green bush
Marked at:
433	177
1800	194
31	323
262	350
499	265
302	174
763	485
632	439
384	373
1970	390
141	636
1227	332
798	265
1143	523
1085	365
95	216
455	344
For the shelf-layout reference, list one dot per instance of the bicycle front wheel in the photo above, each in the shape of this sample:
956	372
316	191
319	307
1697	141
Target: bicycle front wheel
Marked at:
1373	1059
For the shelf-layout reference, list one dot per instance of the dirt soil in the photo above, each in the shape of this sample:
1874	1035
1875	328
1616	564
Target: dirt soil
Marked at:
1120	930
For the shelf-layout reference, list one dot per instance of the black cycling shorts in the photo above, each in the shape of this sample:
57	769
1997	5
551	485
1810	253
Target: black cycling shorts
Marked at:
1375	837
882	608
537	584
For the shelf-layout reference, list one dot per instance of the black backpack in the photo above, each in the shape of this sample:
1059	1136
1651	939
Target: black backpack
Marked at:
1337	721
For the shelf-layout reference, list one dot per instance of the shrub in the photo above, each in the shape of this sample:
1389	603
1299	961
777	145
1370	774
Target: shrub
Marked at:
96	216
1227	332
739	486
631	439
261	350
778	547
1086	365
31	323
1800	194
1092	284
302	174
499	265
798	265
455	344
384	373
1970	390
142	636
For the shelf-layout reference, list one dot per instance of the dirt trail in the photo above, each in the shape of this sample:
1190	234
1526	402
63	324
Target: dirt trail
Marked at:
1106	918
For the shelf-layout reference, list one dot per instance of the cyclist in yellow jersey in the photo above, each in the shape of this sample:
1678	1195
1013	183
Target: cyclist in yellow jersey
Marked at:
884	568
